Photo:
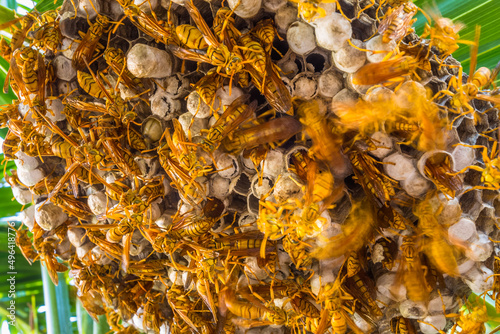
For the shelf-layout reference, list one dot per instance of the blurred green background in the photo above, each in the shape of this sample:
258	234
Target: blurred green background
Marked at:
42	307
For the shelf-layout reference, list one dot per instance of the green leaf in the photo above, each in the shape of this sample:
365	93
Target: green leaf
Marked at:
45	5
35	314
12	4
7	206
102	326
19	322
3	133
5	98
62	298
49	294
24	7
83	319
10	164
6	14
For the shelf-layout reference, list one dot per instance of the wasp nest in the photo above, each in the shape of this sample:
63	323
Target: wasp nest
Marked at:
294	165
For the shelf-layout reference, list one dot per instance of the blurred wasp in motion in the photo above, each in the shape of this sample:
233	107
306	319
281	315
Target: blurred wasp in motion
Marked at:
397	22
388	71
464	93
275	131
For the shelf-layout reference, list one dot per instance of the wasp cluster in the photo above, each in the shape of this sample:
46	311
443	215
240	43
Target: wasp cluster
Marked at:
305	166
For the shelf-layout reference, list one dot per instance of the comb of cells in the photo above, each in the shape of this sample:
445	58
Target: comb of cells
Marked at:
306	166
